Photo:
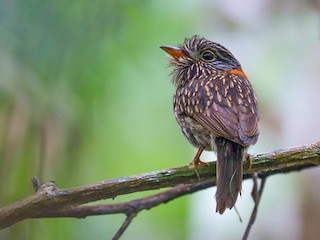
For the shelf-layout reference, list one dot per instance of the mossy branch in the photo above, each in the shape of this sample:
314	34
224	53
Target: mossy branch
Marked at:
49	199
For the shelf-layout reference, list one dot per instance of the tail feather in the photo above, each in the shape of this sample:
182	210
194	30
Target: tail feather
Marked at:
229	173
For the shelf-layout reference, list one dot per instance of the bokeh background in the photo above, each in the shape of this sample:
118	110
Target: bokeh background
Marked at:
85	95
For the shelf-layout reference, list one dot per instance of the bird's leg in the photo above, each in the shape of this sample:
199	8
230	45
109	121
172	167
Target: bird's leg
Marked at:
249	159
196	161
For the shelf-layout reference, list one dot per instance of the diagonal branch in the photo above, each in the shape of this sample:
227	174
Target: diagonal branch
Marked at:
49	198
131	208
256	194
124	226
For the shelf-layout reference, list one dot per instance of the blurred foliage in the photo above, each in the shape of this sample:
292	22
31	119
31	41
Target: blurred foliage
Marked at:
85	96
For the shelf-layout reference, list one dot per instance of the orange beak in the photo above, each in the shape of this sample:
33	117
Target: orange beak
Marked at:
174	51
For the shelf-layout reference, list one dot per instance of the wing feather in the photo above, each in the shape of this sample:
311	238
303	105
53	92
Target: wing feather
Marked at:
226	106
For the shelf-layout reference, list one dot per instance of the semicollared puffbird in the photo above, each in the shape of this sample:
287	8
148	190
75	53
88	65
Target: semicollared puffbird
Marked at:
216	108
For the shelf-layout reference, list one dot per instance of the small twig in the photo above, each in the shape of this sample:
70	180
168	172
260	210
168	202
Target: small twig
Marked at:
124	226
138	205
49	187
36	183
256	197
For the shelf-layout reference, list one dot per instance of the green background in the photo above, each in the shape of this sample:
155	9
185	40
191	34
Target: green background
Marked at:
85	95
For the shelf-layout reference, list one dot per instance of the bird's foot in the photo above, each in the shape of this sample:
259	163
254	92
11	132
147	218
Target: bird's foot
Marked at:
196	160
195	163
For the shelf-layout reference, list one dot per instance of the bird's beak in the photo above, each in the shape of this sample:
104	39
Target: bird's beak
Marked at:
174	51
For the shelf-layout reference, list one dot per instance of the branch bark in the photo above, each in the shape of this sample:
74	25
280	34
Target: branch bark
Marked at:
48	198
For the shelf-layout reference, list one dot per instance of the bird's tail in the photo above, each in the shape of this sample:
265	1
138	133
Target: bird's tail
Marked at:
229	173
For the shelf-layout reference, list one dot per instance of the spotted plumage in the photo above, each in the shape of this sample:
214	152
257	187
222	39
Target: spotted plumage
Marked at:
216	109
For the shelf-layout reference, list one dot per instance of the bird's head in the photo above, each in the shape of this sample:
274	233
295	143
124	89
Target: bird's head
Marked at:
198	56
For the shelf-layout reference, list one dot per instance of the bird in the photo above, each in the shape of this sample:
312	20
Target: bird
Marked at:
216	108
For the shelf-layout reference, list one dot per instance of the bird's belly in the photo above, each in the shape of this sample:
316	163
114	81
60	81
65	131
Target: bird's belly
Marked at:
196	134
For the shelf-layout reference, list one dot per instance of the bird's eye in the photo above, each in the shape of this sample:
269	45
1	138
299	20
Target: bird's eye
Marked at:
207	55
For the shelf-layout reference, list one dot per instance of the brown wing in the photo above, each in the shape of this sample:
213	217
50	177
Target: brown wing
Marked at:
226	105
